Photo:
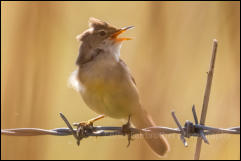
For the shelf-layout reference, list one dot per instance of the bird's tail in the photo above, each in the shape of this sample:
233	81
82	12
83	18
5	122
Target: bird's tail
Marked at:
158	143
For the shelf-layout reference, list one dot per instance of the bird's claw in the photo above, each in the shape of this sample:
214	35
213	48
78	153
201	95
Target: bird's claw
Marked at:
85	128
126	130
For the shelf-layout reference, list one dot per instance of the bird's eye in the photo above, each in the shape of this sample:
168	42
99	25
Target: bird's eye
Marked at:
102	33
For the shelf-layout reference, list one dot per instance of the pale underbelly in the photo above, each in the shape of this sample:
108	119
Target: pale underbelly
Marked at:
109	100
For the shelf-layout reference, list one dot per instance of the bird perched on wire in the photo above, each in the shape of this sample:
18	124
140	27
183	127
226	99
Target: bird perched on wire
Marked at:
105	82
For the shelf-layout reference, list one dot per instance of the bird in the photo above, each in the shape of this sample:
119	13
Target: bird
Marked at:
105	82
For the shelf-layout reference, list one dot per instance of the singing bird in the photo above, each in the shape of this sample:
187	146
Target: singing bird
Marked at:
105	82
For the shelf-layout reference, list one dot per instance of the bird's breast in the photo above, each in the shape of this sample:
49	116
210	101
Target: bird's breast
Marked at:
107	90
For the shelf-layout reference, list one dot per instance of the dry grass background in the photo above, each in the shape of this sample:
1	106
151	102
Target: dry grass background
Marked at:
169	58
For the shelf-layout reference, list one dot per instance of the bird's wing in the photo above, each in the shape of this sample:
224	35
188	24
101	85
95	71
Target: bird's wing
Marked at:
123	64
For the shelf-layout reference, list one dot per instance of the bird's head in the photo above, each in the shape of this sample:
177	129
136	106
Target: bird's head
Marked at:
101	36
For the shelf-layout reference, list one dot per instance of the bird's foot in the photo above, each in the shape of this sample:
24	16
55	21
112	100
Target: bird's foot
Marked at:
126	130
85	128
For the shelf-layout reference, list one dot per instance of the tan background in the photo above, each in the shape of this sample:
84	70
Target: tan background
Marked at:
169	58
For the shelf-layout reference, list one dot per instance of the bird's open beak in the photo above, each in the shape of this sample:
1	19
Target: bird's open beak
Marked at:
115	35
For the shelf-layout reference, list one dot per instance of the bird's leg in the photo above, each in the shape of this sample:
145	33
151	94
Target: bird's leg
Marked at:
127	125
127	131
89	122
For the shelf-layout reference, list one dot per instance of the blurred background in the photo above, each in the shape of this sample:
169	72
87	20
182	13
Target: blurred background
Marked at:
169	58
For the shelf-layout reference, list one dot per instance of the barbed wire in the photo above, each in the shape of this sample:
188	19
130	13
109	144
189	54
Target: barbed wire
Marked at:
190	129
